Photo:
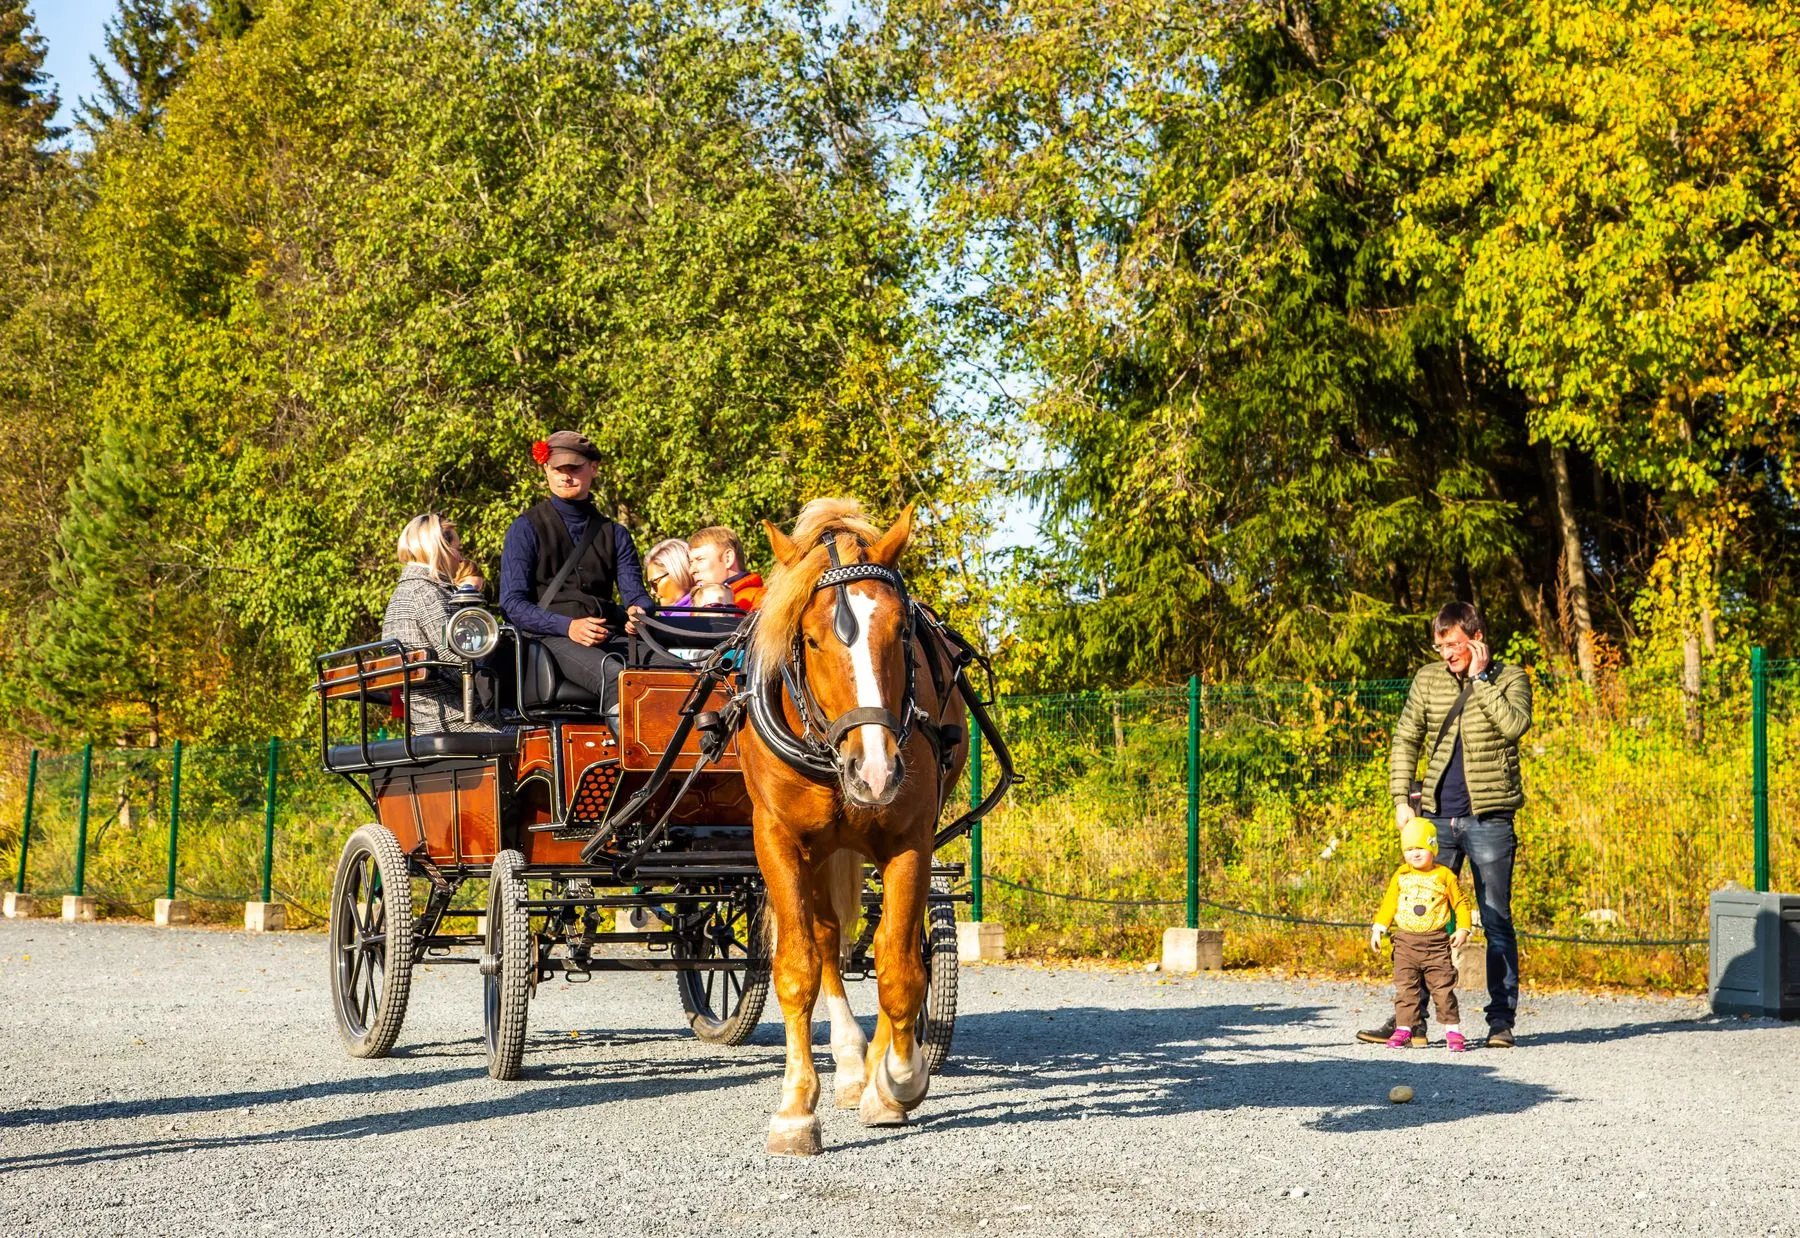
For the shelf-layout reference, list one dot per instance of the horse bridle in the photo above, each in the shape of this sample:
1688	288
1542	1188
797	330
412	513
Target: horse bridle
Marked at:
844	626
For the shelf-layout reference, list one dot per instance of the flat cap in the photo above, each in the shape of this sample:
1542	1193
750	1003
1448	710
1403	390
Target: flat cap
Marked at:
564	447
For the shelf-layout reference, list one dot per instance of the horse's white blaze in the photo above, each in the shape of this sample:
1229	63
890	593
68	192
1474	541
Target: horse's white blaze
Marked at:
876	768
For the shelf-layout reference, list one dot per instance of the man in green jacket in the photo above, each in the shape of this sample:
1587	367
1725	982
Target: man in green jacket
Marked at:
1465	713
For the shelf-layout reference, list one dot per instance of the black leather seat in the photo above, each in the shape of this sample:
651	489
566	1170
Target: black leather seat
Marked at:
545	688
443	746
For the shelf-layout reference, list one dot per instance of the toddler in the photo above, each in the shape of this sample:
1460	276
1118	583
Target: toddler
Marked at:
1423	905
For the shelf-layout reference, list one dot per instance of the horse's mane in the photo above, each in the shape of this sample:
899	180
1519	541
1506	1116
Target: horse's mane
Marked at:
790	588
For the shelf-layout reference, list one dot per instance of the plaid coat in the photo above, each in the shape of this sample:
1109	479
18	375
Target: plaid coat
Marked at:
415	617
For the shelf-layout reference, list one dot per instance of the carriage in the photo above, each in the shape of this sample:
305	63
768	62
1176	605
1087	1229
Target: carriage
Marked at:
571	817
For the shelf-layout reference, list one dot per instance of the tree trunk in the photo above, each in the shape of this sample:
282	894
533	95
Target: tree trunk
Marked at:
1690	681
1531	601
1574	567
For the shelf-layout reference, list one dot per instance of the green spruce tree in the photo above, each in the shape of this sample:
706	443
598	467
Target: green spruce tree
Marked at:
149	43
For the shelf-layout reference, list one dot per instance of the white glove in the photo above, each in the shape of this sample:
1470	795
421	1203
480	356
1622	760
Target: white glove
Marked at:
1376	933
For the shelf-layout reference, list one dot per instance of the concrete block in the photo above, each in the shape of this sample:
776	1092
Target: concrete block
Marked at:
1187	950
82	907
980	941
20	906
264	917
1471	968
173	911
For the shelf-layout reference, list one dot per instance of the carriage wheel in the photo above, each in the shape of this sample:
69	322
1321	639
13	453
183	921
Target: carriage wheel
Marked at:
371	933
508	966
937	1013
724	1006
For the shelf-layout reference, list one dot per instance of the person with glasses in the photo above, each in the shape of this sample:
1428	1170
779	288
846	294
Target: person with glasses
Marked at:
666	573
1464	714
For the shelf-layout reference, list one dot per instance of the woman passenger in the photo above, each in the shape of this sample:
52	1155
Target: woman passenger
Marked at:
432	566
667	575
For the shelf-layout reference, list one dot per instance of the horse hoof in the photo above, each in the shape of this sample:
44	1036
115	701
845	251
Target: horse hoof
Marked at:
850	1092
878	1112
904	1096
794	1137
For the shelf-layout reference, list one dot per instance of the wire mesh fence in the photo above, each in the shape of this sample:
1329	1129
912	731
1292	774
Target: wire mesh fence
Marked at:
1641	799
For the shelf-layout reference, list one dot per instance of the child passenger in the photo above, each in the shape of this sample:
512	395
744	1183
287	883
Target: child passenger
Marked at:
1423	904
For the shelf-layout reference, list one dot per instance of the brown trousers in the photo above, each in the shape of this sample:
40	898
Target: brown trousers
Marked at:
1423	956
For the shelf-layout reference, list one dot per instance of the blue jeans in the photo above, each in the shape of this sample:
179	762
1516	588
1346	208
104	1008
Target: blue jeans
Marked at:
1489	846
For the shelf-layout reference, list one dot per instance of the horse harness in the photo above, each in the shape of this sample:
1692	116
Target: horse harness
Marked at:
813	750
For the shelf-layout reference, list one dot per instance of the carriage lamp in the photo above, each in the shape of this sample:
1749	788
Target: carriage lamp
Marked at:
471	633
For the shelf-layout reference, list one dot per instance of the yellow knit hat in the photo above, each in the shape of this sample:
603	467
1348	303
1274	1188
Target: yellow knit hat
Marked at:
1419	832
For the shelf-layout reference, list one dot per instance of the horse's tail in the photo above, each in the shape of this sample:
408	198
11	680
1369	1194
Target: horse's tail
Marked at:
843	886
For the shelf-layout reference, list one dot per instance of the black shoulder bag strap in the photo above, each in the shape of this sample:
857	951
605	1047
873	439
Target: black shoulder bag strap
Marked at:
1416	789
1455	713
562	574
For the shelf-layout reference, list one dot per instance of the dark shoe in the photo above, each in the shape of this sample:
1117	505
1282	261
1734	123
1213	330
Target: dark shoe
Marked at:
1380	1035
1500	1038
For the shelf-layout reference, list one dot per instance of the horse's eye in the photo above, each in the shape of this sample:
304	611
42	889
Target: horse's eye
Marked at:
811	643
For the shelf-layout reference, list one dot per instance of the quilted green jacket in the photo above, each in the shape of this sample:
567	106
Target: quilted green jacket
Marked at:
1497	714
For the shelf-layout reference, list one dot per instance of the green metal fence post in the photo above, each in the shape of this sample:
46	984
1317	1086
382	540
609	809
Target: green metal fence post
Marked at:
174	816
1193	803
25	831
1759	762
975	830
269	819
87	778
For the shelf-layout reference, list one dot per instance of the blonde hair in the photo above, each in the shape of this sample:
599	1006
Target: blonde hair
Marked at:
671	554
426	540
791	585
711	595
723	538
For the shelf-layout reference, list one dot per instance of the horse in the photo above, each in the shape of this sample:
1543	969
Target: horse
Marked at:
860	738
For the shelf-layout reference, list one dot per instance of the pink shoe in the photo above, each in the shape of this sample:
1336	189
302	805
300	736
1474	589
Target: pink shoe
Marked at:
1401	1039
1456	1042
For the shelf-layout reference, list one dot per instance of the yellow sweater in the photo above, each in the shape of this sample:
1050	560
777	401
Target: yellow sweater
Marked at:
1420	901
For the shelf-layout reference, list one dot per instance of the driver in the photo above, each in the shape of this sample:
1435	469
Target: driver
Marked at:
564	568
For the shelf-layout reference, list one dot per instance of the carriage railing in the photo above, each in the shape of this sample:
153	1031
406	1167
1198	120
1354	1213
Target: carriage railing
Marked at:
372	674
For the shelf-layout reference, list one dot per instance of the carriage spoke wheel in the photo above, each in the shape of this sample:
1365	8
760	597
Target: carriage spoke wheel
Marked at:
371	935
508	966
724	1005
937	1013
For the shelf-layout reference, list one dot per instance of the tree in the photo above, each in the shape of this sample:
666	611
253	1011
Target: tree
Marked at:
373	251
150	43
1273	456
1609	185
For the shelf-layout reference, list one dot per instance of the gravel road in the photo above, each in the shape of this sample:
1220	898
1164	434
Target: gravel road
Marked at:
189	1081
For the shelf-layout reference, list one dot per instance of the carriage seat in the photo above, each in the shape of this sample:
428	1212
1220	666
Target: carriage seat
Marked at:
545	688
438	746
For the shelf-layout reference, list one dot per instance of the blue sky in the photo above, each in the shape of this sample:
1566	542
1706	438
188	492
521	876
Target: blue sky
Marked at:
75	30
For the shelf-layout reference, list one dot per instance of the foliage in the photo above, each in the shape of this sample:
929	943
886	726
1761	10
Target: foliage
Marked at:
150	43
372	252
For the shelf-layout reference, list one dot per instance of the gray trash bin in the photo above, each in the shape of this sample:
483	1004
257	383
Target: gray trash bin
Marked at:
1754	953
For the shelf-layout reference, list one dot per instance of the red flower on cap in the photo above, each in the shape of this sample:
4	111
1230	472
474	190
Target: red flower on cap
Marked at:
540	451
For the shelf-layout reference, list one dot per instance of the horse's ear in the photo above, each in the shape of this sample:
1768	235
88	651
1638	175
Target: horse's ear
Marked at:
783	545
887	550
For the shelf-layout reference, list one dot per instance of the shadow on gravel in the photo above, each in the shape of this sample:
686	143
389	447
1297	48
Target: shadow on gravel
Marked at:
1654	1027
1081	1063
539	1092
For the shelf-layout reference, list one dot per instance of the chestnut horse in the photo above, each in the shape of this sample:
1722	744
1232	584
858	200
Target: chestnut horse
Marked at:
860	737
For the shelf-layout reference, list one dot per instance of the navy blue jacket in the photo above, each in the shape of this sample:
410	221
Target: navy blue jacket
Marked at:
520	552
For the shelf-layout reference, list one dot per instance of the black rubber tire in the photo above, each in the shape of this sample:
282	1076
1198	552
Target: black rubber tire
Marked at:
509	966
724	1007
937	1014
370	936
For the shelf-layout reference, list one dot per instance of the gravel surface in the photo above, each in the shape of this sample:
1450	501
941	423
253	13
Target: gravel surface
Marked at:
189	1081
